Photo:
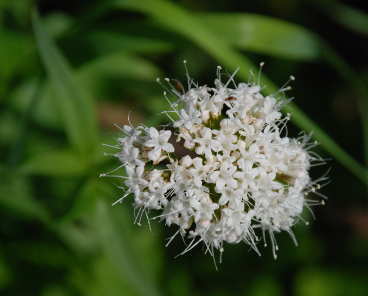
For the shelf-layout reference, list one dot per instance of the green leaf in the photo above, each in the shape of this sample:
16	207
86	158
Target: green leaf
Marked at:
5	273
15	195
358	85
102	278
58	24
74	104
46	112
177	19
93	190
118	249
116	65
357	21
15	51
329	283
61	162
107	41
263	34
349	17
92	75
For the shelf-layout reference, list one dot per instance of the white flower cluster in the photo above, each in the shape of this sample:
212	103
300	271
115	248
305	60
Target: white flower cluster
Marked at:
222	171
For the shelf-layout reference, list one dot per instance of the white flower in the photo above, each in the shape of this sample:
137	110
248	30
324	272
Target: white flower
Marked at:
223	178
205	143
235	177
159	141
135	181
188	118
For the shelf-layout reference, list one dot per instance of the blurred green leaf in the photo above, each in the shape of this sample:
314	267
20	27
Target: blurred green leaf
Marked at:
263	34
264	286
5	273
93	190
177	19
118	249
75	106
316	282
15	196
92	75
134	256
107	41
9	128
14	54
359	86
103	279
55	163
17	9
43	253
46	112
349	17
179	284
329	283
57	24
55	291
117	66
357	21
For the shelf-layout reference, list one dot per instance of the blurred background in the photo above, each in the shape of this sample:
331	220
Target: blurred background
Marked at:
70	70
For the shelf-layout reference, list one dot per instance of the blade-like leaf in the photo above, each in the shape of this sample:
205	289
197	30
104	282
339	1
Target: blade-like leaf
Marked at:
349	17
117	65
107	41
263	34
177	19
359	86
75	106
357	21
118	250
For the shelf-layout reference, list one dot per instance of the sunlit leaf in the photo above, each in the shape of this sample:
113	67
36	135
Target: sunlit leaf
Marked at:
263	34
329	283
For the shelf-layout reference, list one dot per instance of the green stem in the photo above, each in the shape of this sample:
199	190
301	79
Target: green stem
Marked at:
348	74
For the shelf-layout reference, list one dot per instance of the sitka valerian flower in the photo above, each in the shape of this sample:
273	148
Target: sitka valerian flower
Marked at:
224	170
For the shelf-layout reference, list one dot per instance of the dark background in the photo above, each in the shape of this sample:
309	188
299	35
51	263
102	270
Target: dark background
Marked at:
59	234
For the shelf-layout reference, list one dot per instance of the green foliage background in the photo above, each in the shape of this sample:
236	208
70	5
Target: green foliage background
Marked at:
71	70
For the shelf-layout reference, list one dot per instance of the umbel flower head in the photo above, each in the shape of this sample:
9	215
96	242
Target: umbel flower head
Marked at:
223	171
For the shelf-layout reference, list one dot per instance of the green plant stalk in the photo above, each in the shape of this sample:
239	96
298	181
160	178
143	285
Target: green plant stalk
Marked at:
357	84
175	18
